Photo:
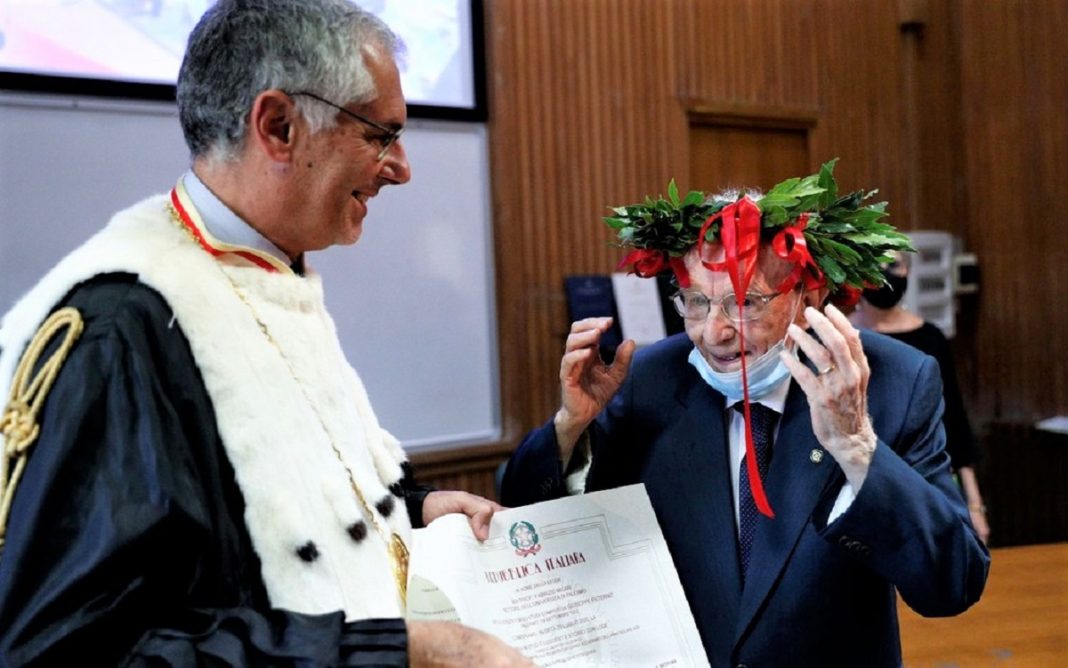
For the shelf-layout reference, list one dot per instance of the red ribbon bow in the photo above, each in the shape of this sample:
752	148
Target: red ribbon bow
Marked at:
790	245
647	263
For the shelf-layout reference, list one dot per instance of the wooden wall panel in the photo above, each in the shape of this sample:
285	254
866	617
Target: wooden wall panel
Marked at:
723	157
937	165
1016	154
954	109
469	469
583	115
858	46
589	102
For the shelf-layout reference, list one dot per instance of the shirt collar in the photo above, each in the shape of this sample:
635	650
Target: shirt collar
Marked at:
227	226
775	399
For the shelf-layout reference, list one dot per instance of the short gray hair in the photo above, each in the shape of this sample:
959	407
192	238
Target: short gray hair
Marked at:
240	48
732	195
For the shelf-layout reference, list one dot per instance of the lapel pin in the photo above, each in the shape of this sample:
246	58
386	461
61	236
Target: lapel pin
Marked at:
816	456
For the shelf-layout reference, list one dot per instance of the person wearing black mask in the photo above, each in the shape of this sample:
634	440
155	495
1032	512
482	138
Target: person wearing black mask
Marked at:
880	309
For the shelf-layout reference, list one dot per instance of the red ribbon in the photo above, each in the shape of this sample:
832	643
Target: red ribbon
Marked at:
739	234
644	262
789	244
647	263
678	265
846	297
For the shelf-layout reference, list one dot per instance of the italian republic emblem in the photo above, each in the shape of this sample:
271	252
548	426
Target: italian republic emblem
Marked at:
524	538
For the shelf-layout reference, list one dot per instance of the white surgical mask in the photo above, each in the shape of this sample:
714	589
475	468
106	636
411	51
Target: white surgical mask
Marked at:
765	373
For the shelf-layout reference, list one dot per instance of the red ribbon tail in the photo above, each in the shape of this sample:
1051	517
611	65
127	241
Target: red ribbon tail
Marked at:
756	486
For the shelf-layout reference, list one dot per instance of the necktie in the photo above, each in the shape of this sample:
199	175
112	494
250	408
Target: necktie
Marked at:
764	419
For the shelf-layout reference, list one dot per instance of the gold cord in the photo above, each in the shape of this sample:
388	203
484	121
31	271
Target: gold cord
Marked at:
398	552
28	393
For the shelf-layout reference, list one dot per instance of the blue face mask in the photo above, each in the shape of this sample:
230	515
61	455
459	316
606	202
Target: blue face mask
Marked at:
765	374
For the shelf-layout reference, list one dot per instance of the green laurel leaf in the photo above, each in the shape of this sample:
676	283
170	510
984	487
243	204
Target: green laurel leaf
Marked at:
847	237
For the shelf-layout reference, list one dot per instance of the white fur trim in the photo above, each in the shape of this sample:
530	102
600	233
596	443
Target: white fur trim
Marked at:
294	488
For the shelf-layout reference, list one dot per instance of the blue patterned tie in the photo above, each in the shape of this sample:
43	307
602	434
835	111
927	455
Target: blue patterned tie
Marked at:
763	426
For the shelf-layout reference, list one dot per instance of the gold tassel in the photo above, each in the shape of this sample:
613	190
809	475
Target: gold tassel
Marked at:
18	424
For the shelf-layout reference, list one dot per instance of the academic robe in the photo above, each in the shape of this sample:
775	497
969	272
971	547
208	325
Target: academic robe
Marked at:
127	541
132	539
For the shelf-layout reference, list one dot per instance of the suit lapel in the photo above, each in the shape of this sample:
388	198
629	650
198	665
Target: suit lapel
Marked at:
794	486
706	494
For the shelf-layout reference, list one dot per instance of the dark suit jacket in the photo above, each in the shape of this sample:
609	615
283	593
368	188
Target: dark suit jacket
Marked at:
815	595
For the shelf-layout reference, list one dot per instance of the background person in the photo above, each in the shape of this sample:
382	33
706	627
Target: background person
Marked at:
858	481
198	477
880	310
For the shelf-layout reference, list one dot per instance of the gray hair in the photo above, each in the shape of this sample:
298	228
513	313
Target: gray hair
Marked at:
732	195
240	48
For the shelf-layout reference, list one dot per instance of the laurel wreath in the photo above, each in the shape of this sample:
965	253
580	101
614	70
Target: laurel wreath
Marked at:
846	236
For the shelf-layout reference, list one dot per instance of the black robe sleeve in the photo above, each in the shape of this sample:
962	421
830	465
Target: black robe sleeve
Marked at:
413	494
126	543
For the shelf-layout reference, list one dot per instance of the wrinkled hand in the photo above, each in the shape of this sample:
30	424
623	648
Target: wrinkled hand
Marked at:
838	393
479	510
448	645
586	383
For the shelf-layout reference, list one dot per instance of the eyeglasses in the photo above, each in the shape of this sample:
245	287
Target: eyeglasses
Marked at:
694	305
390	135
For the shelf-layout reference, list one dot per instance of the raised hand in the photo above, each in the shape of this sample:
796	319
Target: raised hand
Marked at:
838	391
586	382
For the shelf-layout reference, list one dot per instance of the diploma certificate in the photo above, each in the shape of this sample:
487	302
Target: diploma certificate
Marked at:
584	580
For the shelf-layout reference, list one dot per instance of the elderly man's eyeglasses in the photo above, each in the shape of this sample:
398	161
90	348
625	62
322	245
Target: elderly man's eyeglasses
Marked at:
389	135
693	305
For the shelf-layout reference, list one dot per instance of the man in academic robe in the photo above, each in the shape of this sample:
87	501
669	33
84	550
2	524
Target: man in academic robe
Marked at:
193	472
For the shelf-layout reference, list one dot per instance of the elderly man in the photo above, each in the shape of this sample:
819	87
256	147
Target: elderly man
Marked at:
193	473
795	496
